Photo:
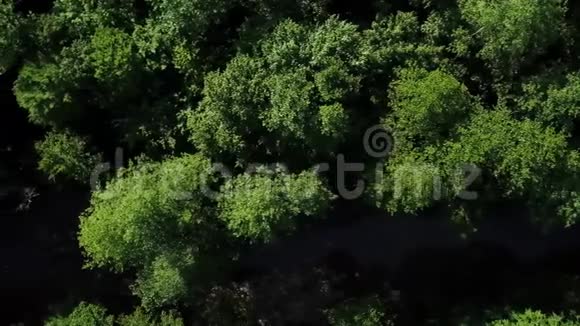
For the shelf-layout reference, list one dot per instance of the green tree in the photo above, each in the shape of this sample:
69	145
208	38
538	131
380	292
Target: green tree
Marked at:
165	282
532	318
394	42
551	100
524	156
427	107
515	159
9	36
84	314
225	113
151	209
96	315
112	56
367	312
63	154
514	31
261	207
155	218
51	91
81	19
175	29
287	96
141	318
410	183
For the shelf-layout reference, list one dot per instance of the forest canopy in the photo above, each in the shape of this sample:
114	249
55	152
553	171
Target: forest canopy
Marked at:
235	117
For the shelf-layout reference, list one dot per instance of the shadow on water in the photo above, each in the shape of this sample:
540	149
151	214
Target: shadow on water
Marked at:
40	263
432	266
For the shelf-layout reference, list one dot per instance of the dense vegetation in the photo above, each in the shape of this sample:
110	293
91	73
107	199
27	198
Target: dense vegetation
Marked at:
237	120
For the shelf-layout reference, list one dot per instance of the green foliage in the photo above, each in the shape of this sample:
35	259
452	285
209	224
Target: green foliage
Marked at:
551	102
225	113
94	315
456	82
165	281
335	84
392	38
96	79
71	21
288	115
367	312
41	91
397	41
84	314
409	184
462	42
427	106
272	10
155	218
534	318
82	18
51	91
284	47
515	159
64	154
334	42
271	98
187	19
137	318
175	28
524	156
9	35
333	120
440	26
513	31
260	207
151	210
141	318
112	55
